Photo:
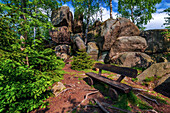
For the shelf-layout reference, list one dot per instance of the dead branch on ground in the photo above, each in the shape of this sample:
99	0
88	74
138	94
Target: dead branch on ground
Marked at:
63	91
84	100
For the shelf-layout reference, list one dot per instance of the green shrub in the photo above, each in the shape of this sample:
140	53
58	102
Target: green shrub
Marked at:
22	88
82	61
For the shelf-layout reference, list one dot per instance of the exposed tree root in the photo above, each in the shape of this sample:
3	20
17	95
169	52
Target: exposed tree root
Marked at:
63	91
84	100
153	100
138	89
102	108
110	106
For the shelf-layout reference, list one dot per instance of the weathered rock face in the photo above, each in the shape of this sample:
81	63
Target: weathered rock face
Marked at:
106	33
78	42
109	33
157	42
61	35
62	17
78	24
111	29
94	32
155	70
128	28
92	50
128	44
63	51
132	59
159	74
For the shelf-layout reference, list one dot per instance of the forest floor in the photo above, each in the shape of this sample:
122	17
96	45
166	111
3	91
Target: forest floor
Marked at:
79	97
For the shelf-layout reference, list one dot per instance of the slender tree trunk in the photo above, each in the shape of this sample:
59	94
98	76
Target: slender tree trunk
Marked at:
132	17
88	17
111	9
101	11
23	6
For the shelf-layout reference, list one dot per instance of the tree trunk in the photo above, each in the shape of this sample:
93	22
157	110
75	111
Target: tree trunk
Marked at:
111	9
23	9
88	17
132	15
101	14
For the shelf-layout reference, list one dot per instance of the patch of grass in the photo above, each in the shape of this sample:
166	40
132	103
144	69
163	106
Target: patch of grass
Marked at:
134	79
149	79
110	76
125	99
80	78
158	98
89	70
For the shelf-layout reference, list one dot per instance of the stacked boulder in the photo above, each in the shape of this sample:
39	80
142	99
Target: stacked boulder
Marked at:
113	41
119	42
62	18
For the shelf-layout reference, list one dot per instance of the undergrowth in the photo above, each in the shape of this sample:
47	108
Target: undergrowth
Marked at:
82	61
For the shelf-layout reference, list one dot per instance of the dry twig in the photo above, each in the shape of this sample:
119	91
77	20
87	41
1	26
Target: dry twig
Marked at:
84	100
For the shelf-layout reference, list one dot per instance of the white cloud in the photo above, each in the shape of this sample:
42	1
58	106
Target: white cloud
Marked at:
157	21
106	14
116	1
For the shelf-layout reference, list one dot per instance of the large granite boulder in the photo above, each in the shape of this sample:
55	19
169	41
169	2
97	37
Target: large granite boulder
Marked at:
107	32
62	17
157	41
60	35
132	59
78	24
128	28
128	44
155	70
78	43
93	50
157	77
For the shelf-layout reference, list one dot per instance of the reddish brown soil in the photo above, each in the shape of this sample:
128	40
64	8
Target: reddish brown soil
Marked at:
75	82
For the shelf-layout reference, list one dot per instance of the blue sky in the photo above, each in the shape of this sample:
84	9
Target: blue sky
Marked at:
155	23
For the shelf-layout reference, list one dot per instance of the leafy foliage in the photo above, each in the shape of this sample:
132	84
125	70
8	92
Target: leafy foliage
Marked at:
167	22
24	87
139	11
82	61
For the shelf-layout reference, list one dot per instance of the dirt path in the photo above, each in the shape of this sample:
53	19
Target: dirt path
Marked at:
77	89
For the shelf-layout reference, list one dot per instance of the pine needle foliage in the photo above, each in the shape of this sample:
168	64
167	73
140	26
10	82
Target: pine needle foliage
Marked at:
82	61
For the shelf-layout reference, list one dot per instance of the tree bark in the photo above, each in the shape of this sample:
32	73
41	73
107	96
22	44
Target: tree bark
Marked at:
23	6
111	9
88	17
132	15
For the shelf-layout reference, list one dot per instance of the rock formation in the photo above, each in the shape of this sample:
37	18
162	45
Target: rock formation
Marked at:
62	17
